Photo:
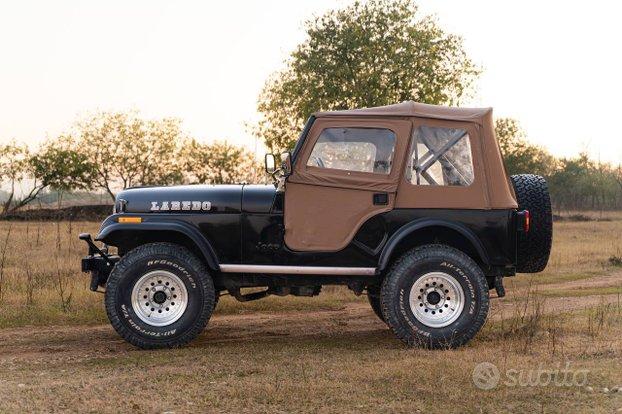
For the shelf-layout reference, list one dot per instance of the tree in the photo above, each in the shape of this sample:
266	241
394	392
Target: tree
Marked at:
368	54
15	167
580	183
519	154
126	150
59	165
219	163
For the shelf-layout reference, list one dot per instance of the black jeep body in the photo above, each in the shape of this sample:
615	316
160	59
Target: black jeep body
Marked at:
239	233
245	227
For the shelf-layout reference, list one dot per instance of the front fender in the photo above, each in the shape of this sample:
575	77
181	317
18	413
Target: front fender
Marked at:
110	227
420	224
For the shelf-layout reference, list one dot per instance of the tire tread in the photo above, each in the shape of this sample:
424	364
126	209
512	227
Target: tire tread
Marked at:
403	264
176	252
534	248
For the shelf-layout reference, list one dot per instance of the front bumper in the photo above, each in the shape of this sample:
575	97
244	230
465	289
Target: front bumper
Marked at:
98	263
99	268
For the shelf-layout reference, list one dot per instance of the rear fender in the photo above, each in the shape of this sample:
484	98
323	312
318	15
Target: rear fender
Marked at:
411	228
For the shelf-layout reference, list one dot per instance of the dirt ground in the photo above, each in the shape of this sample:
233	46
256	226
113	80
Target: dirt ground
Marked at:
343	360
354	318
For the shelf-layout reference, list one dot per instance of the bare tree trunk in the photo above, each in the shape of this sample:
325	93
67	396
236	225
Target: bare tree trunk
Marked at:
7	204
30	197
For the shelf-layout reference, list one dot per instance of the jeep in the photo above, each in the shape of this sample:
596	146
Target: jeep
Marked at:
409	204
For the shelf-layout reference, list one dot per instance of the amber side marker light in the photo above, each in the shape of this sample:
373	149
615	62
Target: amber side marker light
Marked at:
130	219
527	221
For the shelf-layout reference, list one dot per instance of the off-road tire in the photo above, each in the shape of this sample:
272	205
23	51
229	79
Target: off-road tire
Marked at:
416	264
533	247
373	296
152	257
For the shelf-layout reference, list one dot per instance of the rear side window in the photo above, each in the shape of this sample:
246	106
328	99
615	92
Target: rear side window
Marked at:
354	149
440	156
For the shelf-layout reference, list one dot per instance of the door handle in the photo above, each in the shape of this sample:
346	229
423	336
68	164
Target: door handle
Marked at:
381	199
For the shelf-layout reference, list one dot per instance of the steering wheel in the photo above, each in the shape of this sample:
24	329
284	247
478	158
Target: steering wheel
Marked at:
319	162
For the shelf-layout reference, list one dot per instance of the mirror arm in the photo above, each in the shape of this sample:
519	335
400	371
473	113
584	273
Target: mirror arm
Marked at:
275	173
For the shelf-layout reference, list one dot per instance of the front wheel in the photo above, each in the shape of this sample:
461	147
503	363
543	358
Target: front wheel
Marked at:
435	296
373	296
159	295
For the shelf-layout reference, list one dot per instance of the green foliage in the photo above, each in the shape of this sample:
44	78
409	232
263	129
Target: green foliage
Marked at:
61	166
219	163
519	154
16	166
576	183
117	150
126	150
123	150
580	183
13	161
368	54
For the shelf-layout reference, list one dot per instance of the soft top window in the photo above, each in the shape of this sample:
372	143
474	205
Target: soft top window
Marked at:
440	156
354	149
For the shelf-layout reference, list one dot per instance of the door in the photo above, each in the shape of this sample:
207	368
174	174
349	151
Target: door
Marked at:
347	172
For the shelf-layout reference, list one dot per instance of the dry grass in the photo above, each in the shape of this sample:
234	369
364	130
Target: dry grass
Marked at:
41	279
332	356
580	250
330	362
41	282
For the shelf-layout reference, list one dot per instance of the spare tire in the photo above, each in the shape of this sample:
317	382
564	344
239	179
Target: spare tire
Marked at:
533	247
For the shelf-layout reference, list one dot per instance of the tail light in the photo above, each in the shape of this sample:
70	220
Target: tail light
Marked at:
524	221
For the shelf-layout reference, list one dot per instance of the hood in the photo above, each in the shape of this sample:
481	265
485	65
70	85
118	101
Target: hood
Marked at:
182	199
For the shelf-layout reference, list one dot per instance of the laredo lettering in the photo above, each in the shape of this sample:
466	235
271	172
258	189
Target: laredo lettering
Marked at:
180	205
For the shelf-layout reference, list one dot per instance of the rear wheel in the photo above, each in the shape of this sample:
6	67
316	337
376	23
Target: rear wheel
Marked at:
534	247
159	295
436	297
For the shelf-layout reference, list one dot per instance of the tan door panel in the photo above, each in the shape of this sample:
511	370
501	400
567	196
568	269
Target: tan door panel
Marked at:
325	207
326	218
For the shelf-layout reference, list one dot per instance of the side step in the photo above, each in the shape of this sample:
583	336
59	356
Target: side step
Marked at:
298	270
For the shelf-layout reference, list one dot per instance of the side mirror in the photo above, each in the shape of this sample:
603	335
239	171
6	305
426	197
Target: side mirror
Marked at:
286	163
270	164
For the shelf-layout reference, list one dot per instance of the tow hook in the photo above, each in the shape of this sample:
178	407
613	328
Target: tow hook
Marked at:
98	263
499	286
93	248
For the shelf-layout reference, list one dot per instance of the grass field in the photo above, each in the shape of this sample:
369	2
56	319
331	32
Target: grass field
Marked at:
323	354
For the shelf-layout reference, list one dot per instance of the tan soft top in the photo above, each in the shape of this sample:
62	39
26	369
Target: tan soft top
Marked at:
324	208
492	189
410	108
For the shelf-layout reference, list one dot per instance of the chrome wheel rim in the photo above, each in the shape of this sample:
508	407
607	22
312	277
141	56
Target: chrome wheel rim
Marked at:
436	299
159	298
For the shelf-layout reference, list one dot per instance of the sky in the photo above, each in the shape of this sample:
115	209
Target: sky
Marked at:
555	66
